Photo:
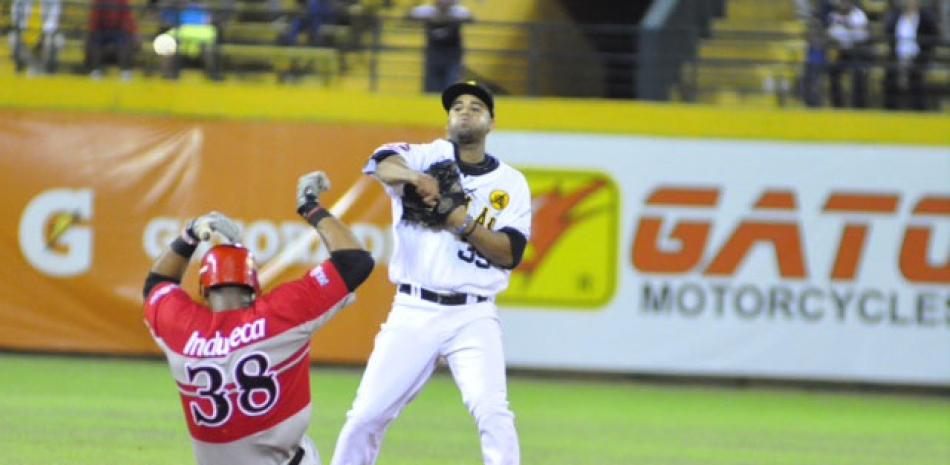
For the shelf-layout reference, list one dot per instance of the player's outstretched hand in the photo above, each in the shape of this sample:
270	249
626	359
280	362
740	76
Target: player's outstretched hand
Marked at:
309	188
204	226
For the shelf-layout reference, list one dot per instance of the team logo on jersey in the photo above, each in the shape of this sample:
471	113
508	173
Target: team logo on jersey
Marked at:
571	259
399	147
499	199
320	276
220	344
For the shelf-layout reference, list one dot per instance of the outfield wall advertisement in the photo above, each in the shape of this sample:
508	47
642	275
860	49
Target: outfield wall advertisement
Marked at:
678	256
734	258
89	201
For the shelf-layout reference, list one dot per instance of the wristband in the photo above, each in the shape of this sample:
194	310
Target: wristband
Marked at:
316	215
470	231
183	248
460	231
188	235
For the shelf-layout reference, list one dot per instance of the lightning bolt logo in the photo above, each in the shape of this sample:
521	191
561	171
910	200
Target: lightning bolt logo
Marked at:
571	259
58	225
554	215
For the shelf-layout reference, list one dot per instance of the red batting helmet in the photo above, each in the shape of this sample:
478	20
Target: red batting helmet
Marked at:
228	265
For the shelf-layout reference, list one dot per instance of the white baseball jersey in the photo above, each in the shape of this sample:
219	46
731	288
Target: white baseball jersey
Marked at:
437	259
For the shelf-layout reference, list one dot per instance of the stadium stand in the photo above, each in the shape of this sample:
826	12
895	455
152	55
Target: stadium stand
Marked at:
754	56
728	52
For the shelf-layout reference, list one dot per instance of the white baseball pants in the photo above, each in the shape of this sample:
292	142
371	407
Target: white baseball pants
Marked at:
405	355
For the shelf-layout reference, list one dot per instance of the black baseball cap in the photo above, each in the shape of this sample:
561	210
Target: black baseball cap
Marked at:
470	88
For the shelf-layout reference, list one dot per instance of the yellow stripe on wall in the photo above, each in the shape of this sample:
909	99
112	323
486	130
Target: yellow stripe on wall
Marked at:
272	102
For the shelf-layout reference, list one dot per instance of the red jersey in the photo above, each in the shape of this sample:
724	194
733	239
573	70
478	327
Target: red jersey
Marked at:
112	15
243	375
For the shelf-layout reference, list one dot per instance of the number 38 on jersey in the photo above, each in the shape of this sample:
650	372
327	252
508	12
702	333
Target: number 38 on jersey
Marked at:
252	387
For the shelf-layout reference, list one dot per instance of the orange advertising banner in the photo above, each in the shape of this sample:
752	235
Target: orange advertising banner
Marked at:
90	200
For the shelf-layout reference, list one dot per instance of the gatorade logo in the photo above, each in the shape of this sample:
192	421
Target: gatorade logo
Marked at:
572	256
54	236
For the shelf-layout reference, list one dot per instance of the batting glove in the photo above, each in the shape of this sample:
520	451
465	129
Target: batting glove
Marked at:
202	228
309	188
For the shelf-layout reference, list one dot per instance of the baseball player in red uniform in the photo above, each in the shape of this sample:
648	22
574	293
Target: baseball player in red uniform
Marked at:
241	362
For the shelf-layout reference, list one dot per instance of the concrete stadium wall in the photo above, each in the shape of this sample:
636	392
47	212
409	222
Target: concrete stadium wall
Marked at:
284	103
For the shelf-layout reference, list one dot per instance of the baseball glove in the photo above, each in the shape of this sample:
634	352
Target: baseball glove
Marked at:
451	195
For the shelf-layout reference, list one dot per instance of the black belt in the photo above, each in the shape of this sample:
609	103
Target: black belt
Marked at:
298	457
442	299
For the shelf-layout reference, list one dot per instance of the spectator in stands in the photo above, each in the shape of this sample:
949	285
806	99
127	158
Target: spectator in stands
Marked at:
112	32
443	57
848	33
311	15
912	34
48	43
816	60
192	25
944	13
804	9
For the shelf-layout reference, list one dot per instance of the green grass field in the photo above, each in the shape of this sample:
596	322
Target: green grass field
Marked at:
79	411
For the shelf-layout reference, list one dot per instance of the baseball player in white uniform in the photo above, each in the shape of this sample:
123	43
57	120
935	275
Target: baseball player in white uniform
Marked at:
447	279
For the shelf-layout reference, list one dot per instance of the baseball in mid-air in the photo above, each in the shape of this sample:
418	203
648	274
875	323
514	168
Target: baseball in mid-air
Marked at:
164	44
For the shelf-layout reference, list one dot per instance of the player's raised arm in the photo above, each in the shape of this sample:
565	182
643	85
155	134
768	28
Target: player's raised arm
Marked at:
393	171
173	262
351	259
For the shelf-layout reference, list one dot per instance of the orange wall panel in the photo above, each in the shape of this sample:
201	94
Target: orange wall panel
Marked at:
88	199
